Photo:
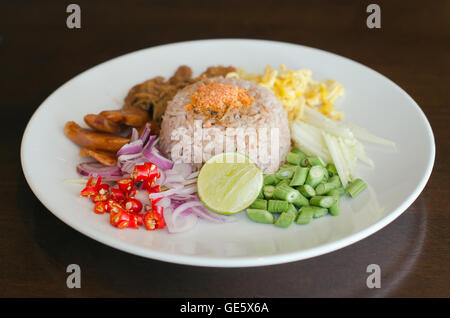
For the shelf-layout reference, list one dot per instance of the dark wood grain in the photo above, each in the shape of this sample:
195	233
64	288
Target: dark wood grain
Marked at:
38	54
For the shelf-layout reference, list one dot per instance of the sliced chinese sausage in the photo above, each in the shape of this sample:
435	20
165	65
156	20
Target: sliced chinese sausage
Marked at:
94	140
106	158
129	116
101	123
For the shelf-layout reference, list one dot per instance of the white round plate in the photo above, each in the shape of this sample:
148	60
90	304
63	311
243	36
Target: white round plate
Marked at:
371	101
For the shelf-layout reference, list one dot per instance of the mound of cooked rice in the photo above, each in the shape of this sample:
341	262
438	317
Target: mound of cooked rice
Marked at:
186	135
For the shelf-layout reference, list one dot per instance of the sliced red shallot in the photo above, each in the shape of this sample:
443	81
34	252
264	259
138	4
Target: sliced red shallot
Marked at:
145	133
134	135
204	213
153	155
182	223
95	169
132	148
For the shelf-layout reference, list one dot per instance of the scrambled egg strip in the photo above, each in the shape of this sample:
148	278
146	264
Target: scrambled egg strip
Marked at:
295	89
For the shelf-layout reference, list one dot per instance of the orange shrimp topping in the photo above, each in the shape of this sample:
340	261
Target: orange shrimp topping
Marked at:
214	100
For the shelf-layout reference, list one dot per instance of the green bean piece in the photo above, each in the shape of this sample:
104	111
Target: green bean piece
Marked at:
261	194
312	161
284	220
283	182
285	193
294	158
286	172
288	165
335	193
319	212
299	177
315	176
295	150
339	191
292	209
335	180
332	169
260	216
305	215
277	206
322	201
259	204
268	191
323	188
334	209
270	179
306	190
326	175
300	201
355	187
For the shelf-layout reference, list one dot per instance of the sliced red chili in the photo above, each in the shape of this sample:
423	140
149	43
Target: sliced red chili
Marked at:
120	219
154	219
154	201
160	210
115	207
91	187
149	183
131	194
126	185
101	207
135	221
117	195
145	172
133	205
154	189
102	193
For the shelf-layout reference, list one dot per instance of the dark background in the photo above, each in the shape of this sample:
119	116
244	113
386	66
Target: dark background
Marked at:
38	54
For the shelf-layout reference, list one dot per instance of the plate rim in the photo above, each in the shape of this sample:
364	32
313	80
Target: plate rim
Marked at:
238	261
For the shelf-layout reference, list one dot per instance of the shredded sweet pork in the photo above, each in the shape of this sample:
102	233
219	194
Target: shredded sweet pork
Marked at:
213	100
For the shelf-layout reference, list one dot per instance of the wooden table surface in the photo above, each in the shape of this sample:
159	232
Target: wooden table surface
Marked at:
38	53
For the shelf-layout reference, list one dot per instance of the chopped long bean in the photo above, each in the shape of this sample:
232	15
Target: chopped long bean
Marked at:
285	193
332	169
259	204
292	209
284	182
260	216
322	201
294	158
315	176
334	209
284	220
355	187
306	190
270	179
305	215
324	188
336	180
277	206
300	201
295	150
319	212
299	177
268	191
312	161
286	172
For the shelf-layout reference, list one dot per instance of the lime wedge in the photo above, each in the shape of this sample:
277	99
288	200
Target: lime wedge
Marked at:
229	183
